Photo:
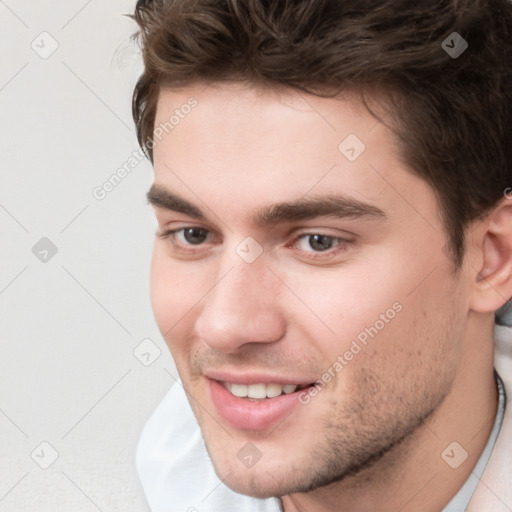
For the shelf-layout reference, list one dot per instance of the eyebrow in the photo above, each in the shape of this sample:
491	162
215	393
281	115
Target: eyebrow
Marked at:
340	206
163	198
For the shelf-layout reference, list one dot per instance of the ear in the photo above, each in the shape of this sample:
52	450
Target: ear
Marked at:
492	239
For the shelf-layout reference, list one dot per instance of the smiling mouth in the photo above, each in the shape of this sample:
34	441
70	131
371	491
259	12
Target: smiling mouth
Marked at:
253	405
262	391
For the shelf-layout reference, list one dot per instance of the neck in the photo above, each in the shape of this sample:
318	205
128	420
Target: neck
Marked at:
421	474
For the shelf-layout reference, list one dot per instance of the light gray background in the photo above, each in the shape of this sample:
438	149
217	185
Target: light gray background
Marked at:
70	322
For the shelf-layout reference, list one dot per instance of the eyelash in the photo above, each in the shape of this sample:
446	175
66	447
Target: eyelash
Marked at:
343	244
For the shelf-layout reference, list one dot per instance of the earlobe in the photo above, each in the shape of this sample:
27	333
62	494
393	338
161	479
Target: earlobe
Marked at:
493	283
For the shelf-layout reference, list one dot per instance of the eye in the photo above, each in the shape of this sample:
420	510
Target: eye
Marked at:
319	243
316	242
319	247
192	235
187	236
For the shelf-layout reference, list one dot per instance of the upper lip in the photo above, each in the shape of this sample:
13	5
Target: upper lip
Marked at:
254	377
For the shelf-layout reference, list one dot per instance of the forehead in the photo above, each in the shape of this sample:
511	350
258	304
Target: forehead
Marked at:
251	147
255	115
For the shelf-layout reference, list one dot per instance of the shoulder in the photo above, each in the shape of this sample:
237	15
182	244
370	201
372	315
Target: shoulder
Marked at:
494	493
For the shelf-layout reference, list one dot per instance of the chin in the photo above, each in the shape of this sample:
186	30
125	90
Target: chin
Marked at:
268	478
258	485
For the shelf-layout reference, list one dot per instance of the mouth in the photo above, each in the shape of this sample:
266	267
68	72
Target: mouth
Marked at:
255	405
261	391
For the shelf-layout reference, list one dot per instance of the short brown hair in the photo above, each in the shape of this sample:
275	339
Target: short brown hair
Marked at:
453	114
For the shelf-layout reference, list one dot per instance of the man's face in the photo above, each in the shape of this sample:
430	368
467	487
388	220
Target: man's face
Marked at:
305	258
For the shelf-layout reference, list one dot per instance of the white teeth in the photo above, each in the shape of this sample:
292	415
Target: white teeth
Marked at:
259	391
239	390
274	390
256	391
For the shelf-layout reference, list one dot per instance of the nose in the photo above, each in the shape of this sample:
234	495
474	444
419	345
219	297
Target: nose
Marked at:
241	308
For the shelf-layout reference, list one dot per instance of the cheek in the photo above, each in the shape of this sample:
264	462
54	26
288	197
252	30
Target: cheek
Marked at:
174	292
338	307
386	306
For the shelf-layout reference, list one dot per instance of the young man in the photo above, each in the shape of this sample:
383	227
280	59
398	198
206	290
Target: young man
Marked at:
332	190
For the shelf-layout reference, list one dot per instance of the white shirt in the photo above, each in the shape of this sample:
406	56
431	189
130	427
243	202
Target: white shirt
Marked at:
177	474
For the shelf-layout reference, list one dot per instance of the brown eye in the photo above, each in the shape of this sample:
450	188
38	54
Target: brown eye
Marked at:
194	236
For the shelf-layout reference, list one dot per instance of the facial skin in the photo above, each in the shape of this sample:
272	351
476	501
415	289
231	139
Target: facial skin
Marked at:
372	438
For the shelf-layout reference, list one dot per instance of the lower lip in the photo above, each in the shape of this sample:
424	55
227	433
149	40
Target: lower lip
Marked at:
252	415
